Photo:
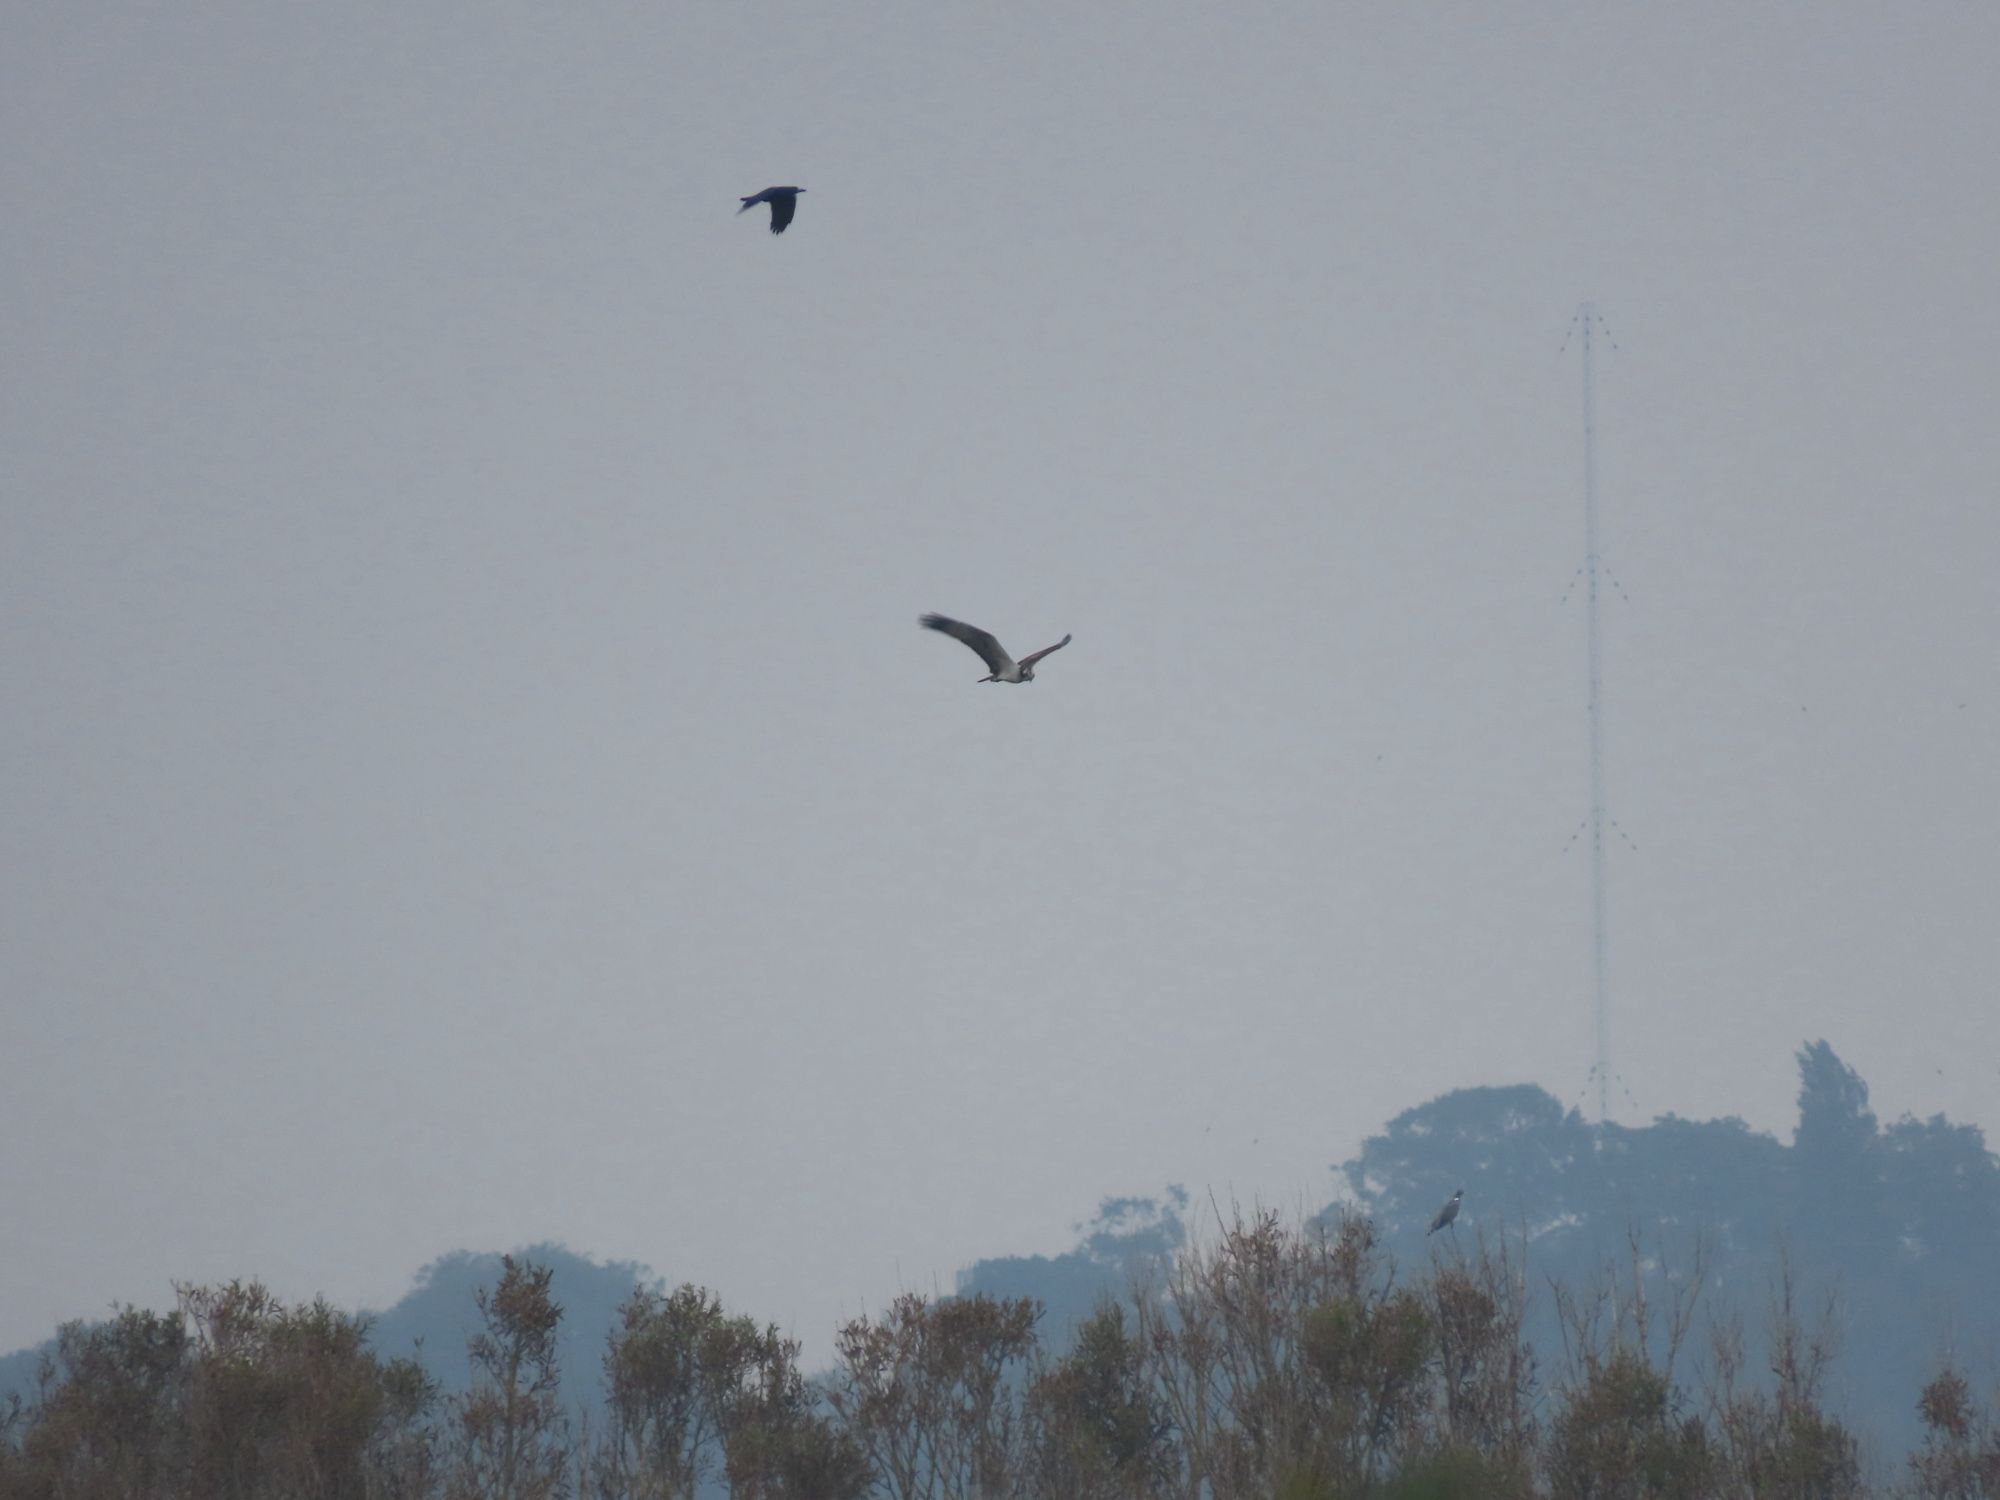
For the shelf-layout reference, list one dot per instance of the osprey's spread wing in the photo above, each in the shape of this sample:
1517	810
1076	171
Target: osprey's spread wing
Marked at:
1029	661
989	649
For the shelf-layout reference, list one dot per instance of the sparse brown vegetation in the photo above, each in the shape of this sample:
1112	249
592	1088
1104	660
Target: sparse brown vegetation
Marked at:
1272	1362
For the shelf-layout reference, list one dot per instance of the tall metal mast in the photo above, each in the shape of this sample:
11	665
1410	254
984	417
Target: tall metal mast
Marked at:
1592	567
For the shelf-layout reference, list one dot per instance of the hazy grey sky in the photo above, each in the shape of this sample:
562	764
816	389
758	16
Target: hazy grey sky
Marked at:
472	772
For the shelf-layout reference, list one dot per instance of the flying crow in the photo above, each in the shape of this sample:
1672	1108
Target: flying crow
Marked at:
784	203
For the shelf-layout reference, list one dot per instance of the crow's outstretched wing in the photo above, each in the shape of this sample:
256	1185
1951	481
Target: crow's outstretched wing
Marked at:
784	203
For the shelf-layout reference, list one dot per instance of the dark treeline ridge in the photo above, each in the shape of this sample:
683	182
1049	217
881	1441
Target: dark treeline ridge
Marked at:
1891	1231
1281	1361
1681	1309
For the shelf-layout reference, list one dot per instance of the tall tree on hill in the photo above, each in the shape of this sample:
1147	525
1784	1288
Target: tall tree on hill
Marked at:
1837	1198
511	1436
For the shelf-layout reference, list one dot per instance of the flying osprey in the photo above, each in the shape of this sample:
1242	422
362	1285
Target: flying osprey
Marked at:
1445	1215
1005	668
784	203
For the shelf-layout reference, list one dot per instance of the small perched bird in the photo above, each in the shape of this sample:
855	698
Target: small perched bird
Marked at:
1445	1215
784	203
1005	668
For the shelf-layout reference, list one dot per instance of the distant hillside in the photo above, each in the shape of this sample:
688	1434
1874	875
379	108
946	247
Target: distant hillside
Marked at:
1129	1238
1892	1233
1889	1238
436	1317
438	1314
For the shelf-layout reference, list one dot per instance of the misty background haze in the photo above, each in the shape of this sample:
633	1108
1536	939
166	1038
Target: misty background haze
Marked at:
473	776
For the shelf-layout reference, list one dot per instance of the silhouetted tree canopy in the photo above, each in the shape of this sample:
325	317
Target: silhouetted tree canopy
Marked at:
1686	1307
1900	1226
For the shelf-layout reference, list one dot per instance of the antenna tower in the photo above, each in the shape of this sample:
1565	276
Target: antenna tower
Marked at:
1588	323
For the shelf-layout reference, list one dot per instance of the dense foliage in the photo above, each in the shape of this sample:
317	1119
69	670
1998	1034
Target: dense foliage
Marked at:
1291	1362
1677	1310
1894	1231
